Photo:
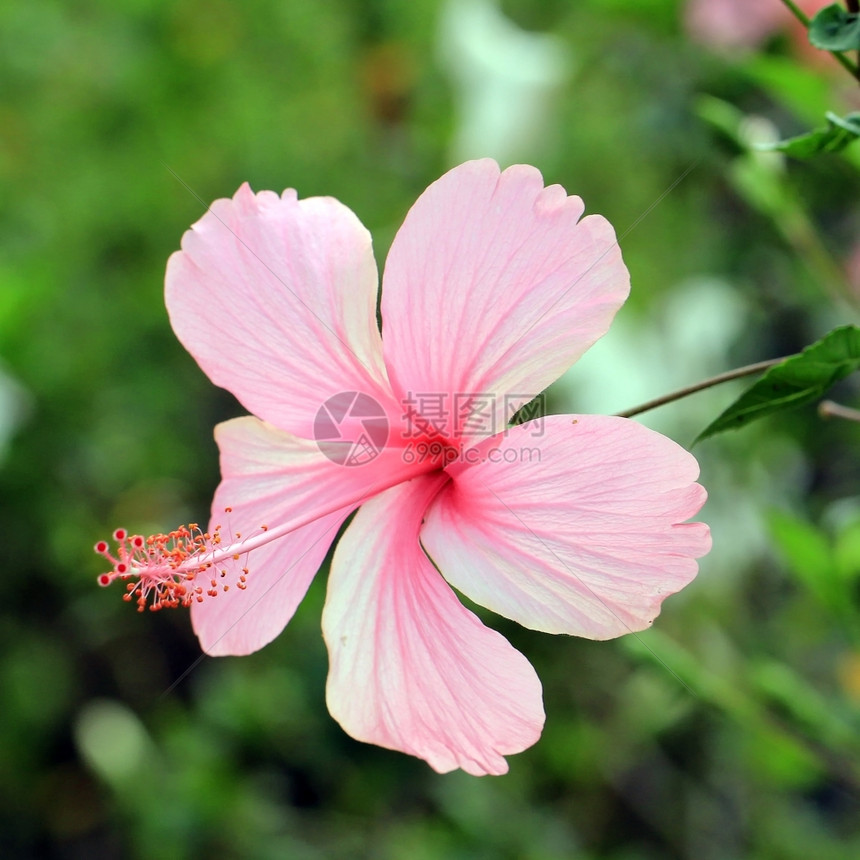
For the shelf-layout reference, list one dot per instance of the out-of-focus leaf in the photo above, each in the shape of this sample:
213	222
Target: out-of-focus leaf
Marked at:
846	552
798	380
834	137
807	554
801	89
835	29
808	708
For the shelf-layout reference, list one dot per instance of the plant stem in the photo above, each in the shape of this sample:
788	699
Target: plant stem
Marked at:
797	12
853	6
829	409
737	373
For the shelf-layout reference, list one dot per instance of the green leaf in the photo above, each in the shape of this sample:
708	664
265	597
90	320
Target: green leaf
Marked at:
800	379
834	29
834	137
846	552
808	555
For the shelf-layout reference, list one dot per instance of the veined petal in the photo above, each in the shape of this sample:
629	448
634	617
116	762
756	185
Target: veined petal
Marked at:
271	480
572	524
241	622
411	668
494	286
276	299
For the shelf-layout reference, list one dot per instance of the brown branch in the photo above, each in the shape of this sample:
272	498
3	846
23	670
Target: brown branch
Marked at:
737	373
829	409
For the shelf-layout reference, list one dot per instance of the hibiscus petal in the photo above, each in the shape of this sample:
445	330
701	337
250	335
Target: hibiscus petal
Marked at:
276	299
241	622
494	285
580	530
273	479
411	668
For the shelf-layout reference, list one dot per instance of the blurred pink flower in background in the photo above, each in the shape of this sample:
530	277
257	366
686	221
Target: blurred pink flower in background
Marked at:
747	23
493	287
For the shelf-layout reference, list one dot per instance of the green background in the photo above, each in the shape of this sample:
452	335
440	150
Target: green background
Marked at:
729	730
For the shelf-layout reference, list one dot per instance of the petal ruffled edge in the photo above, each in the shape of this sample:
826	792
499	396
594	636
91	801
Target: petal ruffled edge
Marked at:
579	529
275	298
411	669
493	287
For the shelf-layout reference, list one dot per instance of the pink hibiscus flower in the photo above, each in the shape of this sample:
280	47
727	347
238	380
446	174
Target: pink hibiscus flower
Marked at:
493	287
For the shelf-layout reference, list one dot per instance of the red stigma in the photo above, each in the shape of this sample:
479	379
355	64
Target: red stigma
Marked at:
160	570
181	567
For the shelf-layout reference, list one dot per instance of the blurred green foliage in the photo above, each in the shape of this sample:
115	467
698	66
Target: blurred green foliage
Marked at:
730	730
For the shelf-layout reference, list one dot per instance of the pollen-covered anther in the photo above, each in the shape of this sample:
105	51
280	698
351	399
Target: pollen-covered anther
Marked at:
160	570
